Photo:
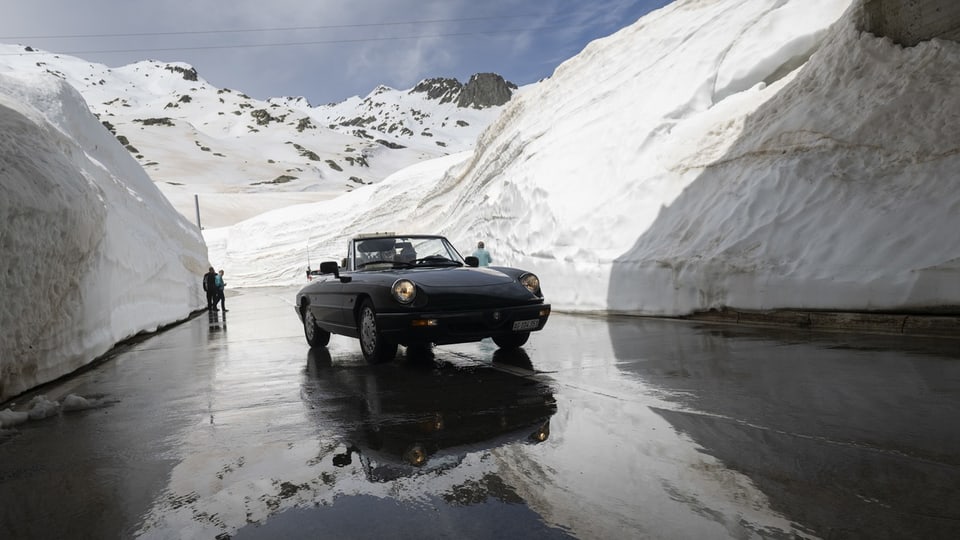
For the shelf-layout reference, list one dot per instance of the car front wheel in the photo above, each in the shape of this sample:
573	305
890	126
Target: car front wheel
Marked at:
511	341
316	336
374	347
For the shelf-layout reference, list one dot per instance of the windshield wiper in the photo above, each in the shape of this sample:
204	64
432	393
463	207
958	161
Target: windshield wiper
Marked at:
391	263
436	260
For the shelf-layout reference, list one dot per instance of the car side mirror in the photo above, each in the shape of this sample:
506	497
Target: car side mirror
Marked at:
472	261
330	267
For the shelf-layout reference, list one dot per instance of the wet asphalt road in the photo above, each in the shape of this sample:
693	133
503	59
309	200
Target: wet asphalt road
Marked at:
599	428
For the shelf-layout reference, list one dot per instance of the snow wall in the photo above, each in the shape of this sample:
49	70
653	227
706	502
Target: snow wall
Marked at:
92	253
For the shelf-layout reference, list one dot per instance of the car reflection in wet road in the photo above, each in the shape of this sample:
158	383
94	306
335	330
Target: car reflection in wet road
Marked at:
599	428
417	415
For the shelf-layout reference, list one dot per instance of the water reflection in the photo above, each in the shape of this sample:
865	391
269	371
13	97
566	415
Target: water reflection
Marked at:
851	436
406	417
517	358
217	321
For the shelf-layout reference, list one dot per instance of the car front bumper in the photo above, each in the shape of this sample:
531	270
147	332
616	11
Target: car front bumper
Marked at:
461	326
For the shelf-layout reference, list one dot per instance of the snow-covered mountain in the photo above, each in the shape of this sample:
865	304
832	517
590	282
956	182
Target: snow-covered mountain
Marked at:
196	139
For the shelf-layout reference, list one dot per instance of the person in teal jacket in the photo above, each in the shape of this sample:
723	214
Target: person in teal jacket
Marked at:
220	286
482	255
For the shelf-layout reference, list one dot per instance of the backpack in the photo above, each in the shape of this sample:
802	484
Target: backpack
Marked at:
210	282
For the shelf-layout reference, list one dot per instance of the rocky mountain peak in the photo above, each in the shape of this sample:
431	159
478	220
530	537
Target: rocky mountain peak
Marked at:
486	90
483	90
441	88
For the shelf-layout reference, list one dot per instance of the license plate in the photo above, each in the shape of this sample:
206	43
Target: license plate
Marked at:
529	324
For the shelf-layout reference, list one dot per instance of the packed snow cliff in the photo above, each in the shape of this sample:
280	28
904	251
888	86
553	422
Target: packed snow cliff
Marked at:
746	155
92	251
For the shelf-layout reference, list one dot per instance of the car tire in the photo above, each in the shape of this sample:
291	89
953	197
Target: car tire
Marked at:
316	336
375	348
511	341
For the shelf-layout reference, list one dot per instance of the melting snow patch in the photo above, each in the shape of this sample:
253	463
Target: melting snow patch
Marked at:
74	402
10	418
41	407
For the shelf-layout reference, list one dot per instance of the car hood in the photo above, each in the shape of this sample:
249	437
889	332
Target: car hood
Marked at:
459	277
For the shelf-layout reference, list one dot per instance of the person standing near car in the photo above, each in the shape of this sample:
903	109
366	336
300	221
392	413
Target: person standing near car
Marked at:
210	286
482	255
221	284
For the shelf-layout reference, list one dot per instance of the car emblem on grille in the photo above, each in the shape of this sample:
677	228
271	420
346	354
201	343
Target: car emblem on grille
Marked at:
496	315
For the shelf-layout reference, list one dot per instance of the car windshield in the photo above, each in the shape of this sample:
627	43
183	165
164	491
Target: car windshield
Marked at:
383	252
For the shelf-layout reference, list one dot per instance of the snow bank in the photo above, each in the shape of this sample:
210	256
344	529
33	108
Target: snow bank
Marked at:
93	253
836	193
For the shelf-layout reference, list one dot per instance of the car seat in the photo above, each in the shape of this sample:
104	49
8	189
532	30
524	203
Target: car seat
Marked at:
407	253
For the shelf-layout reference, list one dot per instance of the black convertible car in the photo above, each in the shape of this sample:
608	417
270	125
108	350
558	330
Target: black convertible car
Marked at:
417	290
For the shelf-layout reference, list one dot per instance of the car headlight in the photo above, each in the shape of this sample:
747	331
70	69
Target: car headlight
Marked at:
531	282
404	291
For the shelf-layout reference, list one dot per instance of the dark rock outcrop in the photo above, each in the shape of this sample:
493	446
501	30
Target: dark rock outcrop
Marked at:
187	74
486	90
446	90
483	90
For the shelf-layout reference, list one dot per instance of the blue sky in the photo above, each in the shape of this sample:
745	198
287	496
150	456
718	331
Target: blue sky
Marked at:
324	50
